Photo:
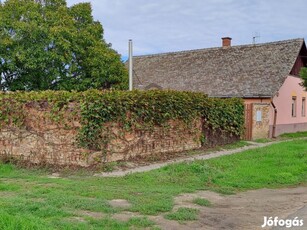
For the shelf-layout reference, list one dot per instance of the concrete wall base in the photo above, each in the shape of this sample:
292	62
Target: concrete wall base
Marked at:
289	128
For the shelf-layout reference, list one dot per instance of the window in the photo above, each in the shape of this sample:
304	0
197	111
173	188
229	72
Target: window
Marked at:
259	116
303	106
293	106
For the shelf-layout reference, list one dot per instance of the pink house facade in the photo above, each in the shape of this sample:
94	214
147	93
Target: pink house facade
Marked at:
290	102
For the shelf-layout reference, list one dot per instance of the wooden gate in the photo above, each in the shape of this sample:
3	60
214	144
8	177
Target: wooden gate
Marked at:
248	111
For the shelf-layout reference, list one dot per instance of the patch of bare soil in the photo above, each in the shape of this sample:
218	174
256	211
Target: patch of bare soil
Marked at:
76	219
245	210
95	215
163	223
119	203
7	194
125	216
54	176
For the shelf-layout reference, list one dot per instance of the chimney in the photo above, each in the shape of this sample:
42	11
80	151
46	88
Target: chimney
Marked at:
226	42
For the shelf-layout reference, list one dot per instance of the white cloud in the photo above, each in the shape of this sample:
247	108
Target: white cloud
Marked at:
171	25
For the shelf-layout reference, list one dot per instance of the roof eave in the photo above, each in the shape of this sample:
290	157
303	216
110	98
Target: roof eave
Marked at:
242	96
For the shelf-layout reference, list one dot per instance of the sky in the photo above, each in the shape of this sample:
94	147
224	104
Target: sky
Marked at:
158	26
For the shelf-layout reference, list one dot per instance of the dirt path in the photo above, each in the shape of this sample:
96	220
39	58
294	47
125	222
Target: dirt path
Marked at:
244	210
205	156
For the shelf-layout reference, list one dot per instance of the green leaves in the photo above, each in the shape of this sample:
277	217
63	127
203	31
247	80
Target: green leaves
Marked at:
142	110
303	74
226	115
46	45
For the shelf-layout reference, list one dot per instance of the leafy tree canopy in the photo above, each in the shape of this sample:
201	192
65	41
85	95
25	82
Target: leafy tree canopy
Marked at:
303	74
46	45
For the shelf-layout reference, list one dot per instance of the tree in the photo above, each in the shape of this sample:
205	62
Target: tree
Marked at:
303	74
46	45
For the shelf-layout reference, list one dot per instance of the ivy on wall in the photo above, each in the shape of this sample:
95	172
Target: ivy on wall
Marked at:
137	109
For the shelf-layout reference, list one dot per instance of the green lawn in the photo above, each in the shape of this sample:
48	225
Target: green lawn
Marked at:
31	200
294	135
285	136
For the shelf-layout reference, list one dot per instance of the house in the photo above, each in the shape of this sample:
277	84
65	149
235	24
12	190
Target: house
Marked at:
265	75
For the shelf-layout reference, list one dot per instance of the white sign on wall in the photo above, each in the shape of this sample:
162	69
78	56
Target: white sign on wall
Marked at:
259	116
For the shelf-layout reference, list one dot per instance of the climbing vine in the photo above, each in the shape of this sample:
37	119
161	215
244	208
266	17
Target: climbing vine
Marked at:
131	110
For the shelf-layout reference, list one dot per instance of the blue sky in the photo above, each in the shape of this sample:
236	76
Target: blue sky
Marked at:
171	25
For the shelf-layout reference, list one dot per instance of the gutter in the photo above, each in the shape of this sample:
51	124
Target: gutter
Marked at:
274	121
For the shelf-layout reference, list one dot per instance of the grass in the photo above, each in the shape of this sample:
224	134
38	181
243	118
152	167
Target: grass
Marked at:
29	199
284	136
294	135
112	166
202	202
263	140
183	214
141	222
238	144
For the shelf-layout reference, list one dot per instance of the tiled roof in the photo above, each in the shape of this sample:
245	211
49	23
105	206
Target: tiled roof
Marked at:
238	71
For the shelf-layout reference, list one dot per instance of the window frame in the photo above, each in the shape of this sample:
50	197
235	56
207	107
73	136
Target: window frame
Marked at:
294	106
303	106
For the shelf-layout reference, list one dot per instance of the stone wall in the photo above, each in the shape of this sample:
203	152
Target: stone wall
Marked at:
174	138
43	141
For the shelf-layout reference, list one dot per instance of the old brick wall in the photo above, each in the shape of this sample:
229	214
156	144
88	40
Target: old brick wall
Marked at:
43	141
261	120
